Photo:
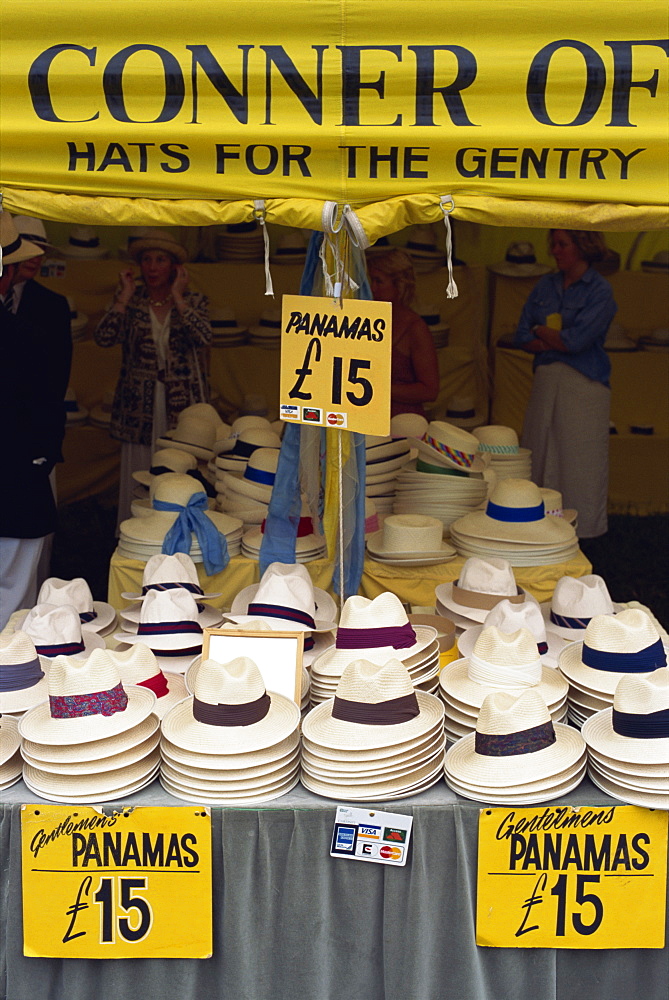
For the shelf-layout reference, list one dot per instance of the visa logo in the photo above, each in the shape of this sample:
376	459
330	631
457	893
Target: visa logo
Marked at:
371	832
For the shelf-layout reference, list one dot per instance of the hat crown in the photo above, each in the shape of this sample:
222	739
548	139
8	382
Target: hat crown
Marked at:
172	458
585	597
287	585
16	648
497	434
453	437
488	576
236	682
373	683
194	430
643	694
412	532
552	500
168	606
69	675
31	228
74	592
516	493
383	611
51	624
264	460
629	631
407	425
175	488
503	713
521	249
510	650
135	664
261	437
178	568
508	617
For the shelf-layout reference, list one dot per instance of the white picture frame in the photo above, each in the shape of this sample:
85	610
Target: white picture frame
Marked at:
278	656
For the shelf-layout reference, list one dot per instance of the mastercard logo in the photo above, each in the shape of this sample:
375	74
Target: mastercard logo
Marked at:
336	419
390	853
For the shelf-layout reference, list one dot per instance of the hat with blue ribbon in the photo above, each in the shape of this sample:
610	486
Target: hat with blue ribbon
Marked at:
515	513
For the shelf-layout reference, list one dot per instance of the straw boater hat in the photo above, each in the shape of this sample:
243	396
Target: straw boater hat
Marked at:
94	615
515	513
612	646
23	682
87	701
192	434
520	262
407	425
175	572
575	602
83	242
286	593
508	617
412	536
158	239
139	666
168	625
258	479
553	505
245	444
482	584
502	662
500	442
461	411
449	446
245	423
166	460
56	631
515	743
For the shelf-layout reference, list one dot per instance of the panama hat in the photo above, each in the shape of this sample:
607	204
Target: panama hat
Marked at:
87	701
259	475
23	682
502	662
33	230
138	666
408	425
86	755
116	760
94	615
617	339
176	490
375	706
462	411
482	584
519	262
553	505
308	544
56	630
168	624
245	444
83	242
244	423
508	617
658	264
192	434
575	602
647	799
230	711
515	513
166	460
411	536
431	316
205	411
165	572
636	729
658	340
225	330
612	646
500	442
290	249
453	447
285	593
10	739
14	248
515	740
158	239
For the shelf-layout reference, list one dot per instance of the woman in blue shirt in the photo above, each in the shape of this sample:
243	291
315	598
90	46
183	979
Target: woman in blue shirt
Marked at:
564	324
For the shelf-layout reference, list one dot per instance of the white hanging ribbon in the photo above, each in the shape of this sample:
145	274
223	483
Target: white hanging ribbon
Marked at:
447	205
504	678
259	215
333	223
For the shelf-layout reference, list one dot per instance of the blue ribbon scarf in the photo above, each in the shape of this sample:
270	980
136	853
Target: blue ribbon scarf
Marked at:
193	518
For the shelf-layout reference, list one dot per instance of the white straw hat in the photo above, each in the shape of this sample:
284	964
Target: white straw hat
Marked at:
482	584
139	666
23	682
258	479
94	615
164	572
636	729
243	423
411	535
500	442
520	262
461	411
56	630
453	447
575	602
10	741
195	435
246	442
166	460
14	247
286	593
515	513
508	617
173	489
83	242
168	624
87	754
408	425
87	701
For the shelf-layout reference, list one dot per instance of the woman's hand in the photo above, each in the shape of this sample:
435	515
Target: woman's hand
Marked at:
180	283
126	286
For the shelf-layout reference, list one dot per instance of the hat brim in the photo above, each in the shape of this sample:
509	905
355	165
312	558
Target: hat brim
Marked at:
169	440
510	270
94	253
547	531
95	749
332	662
435	457
10	739
96	766
462	761
91	641
546	791
572	666
376	547
115	793
105	615
454	679
38	726
444	594
390	791
322	729
599	733
555	643
646	799
181	728
24	699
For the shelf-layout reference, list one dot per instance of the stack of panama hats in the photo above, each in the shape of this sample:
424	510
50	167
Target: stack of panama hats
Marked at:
165	572
143	537
410	540
193	434
498	662
462	411
423	250
206	411
226	442
377	739
507	458
225	330
384	458
100	414
241	242
56	630
11	762
78	321
482	585
308	544
514	526
247	497
93	739
139	666
575	602
166	460
74	413
517	755
617	339
267	331
628	744
83	243
431	316
553	506
95	616
520	262
169	625
232	742
376	630
612	646
286	597
507	618
290	249
235	458
658	340
23	682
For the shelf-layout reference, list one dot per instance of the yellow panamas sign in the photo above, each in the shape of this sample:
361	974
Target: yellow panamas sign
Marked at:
356	101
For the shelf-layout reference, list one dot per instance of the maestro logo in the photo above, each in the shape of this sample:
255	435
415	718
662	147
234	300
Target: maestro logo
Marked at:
336	419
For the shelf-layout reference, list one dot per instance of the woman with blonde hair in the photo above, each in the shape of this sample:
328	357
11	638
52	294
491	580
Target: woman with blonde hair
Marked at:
414	365
564	324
